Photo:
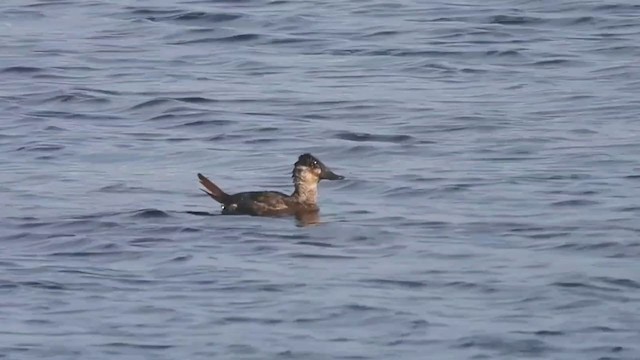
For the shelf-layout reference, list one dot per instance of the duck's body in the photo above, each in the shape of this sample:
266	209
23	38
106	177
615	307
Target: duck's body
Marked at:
307	173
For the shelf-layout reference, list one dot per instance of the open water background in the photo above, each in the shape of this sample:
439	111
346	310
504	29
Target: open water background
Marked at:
491	207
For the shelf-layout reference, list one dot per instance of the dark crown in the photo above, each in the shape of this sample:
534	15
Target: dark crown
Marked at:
307	160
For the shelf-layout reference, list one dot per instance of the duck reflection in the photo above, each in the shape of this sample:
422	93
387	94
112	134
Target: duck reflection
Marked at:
307	218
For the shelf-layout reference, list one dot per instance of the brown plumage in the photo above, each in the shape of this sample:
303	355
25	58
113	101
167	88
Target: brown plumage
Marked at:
213	190
307	173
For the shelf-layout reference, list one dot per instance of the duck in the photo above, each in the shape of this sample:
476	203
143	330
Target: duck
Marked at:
307	173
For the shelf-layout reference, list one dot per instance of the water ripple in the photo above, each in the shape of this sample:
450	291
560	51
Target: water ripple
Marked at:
489	211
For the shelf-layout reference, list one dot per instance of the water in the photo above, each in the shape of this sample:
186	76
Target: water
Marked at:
490	209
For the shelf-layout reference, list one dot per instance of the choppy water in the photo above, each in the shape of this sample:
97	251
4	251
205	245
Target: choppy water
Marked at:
492	151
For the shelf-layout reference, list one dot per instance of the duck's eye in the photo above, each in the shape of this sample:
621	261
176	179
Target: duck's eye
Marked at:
315	163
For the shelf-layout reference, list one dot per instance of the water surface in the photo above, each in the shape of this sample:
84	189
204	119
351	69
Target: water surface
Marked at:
490	209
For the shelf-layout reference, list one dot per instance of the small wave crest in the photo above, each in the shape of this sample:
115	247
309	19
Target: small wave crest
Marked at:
367	137
150	214
190	17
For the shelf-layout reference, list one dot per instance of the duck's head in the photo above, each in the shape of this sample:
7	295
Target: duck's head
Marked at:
309	169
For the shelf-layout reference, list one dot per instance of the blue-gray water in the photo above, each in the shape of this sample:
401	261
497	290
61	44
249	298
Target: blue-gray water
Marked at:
492	150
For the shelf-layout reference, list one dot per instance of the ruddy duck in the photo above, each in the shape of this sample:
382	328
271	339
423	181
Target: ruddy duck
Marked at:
307	173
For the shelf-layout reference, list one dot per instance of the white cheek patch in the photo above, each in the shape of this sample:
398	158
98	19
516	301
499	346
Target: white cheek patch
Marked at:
307	174
303	171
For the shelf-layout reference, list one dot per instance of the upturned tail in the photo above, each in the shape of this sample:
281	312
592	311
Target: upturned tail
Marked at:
213	190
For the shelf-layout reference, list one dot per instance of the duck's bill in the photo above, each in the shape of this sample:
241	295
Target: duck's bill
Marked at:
330	175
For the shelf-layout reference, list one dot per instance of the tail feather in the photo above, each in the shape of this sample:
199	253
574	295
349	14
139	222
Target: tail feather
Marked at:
213	190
